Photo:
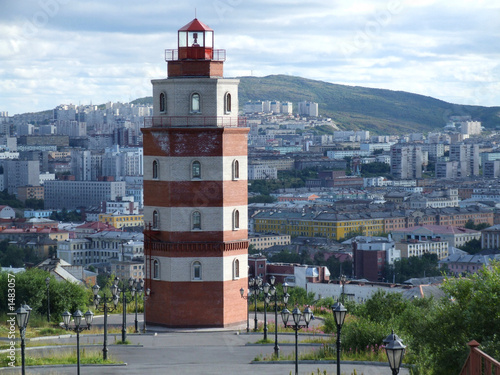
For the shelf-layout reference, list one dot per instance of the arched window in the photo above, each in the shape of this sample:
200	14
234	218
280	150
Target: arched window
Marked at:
195	103
227	103
196	169
196	270
236	219
156	220
163	102
196	220
156	269
236	269
236	170
155	169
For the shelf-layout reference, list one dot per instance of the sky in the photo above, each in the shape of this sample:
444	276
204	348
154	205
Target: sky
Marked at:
80	52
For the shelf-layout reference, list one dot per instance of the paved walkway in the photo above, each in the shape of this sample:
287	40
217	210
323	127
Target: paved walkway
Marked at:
205	352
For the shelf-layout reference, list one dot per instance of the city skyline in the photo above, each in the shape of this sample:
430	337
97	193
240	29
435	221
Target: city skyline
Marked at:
62	51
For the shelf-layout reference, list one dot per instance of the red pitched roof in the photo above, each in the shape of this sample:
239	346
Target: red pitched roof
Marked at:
195	25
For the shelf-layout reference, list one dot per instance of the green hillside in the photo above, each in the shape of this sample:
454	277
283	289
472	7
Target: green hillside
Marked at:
361	108
354	107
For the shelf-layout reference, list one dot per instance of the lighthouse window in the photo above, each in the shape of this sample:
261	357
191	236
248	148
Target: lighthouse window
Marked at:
196	218
236	219
227	103
195	103
155	169
156	269
196	169
236	269
236	170
196	270
163	102
156	220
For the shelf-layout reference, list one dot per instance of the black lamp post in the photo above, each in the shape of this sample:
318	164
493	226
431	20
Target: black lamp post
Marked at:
123	290
105	308
267	299
343	280
145	296
272	279
47	282
395	352
339	313
77	319
297	316
247	298
255	285
137	289
23	316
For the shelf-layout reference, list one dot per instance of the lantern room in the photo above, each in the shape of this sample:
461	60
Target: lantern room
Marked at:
195	41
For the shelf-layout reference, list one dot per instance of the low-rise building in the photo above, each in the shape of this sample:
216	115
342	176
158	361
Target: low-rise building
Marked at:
263	241
412	248
128	269
462	264
490	237
455	236
121	221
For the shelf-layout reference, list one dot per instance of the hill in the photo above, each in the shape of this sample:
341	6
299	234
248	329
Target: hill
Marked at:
362	108
355	108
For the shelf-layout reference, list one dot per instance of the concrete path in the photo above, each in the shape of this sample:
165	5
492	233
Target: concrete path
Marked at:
205	352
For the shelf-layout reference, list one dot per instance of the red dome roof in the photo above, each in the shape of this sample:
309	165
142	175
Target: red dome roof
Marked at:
195	25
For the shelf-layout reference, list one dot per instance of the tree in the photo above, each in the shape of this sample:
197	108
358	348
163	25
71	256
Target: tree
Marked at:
285	256
375	169
407	268
32	289
471	312
472	247
261	199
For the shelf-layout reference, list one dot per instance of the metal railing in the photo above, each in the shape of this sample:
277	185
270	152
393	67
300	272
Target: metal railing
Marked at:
479	363
217	55
195	121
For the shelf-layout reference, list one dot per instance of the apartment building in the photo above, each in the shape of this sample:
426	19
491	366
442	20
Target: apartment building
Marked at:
406	161
74	194
264	241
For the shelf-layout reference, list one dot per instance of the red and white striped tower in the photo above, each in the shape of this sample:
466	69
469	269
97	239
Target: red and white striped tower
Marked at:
195	190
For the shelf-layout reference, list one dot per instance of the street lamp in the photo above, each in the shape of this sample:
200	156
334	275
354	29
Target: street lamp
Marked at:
297	316
267	299
123	290
137	288
47	281
144	299
339	313
77	319
395	352
274	293
247	298
343	280
23	316
255	285
104	308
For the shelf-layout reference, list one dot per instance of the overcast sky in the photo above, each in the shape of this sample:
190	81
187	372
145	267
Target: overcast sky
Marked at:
68	51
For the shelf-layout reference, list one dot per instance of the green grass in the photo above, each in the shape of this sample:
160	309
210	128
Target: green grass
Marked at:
126	342
62	358
262	341
328	353
39	327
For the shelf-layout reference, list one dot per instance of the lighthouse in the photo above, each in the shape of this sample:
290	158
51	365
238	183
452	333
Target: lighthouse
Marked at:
195	190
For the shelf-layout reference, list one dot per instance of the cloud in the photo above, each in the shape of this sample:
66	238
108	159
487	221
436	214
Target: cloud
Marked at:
60	50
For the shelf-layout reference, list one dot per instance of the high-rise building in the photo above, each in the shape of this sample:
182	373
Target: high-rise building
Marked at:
195	190
467	156
20	173
308	109
406	161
